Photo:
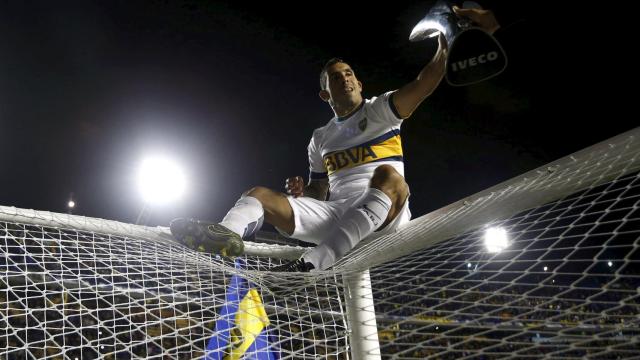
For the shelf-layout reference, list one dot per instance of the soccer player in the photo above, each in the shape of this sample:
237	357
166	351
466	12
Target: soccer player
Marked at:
356	183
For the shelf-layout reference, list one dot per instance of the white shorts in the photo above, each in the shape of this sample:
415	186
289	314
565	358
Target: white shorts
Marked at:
314	219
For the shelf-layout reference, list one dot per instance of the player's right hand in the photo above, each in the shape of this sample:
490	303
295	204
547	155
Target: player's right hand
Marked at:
295	186
484	18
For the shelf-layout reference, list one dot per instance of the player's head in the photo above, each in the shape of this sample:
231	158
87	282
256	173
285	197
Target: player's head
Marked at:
338	83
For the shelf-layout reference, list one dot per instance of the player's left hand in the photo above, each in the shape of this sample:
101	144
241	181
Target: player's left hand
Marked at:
295	186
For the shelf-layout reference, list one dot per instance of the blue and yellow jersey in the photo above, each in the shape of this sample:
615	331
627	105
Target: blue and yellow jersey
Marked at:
347	150
385	147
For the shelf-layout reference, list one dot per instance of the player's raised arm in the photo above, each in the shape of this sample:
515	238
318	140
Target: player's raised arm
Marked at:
408	97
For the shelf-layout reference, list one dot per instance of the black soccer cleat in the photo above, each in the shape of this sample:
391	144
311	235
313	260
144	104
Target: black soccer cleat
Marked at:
294	266
207	236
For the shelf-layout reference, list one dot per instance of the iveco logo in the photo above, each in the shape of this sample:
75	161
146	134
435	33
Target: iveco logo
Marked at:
474	61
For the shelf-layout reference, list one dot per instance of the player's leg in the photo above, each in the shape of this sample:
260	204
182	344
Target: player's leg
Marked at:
276	208
375	209
393	185
242	221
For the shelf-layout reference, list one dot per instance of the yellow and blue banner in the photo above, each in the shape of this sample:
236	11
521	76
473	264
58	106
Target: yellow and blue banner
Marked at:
242	331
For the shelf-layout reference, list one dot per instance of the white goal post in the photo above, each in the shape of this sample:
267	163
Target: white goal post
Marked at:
566	286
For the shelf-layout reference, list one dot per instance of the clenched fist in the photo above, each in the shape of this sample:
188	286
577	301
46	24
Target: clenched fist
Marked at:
295	186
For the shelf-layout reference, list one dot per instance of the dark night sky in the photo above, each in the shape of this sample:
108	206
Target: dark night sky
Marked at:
88	88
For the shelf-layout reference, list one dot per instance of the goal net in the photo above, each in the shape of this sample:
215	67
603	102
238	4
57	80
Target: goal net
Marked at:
567	285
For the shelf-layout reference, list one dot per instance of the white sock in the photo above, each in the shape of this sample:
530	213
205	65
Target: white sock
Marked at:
367	215
245	218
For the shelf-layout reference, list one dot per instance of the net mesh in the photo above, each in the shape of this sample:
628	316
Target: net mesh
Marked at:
567	286
73	294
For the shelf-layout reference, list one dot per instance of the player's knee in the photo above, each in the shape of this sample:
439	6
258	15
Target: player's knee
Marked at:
385	176
277	210
388	180
261	193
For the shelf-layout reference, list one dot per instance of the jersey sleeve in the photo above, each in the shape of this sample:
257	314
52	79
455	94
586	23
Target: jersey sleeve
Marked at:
385	109
316	165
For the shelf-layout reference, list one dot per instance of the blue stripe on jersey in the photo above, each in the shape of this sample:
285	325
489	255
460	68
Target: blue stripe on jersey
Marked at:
379	139
386	146
390	158
317	175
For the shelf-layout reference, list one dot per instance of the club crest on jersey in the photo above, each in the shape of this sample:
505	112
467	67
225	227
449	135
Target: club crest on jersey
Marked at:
362	124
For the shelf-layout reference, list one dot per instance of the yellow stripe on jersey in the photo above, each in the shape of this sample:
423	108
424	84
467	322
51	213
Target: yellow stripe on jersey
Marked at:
387	146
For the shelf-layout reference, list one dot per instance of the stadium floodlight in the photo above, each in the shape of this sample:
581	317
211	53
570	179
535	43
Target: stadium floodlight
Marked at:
161	180
610	264
71	205
496	239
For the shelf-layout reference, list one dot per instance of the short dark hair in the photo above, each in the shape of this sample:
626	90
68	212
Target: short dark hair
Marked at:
323	73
